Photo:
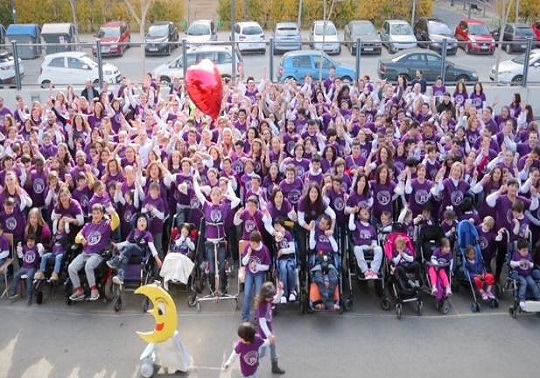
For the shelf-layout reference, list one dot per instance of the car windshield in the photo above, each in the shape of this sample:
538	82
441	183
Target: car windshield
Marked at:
439	28
330	29
158	31
520	59
525	31
400	29
198	29
111	32
88	61
252	30
363	29
286	30
478	29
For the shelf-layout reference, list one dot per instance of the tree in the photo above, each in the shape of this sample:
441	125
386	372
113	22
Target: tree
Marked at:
506	9
141	19
74	16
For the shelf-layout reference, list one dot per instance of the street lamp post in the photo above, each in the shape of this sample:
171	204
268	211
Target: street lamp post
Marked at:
323	40
233	42
13	11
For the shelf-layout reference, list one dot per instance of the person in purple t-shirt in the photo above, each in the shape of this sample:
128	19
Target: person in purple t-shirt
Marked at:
256	259
30	255
247	348
522	264
94	237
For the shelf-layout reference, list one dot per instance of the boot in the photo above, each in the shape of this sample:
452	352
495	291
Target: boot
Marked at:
39	275
54	276
276	369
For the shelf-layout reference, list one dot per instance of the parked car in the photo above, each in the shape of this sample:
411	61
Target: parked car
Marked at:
297	64
515	36
536	30
397	35
162	38
429	62
250	37
220	55
7	68
323	35
287	37
511	71
201	31
74	67
115	37
363	29
431	32
474	37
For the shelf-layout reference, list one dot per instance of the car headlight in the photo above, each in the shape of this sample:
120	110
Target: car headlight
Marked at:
504	72
108	72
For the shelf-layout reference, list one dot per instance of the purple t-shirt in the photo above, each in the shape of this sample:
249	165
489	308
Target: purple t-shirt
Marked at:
98	235
251	223
364	234
30	258
249	355
261	256
522	271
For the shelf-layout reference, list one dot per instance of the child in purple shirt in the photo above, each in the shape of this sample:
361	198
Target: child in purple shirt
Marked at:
256	259
522	264
30	255
247	348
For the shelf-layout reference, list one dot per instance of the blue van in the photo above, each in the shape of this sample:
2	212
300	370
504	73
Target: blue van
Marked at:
298	64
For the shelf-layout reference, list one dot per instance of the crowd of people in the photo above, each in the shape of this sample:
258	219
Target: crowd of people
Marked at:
324	157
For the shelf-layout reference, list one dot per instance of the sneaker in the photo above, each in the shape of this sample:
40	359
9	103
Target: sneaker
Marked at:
434	290
13	296
78	295
118	280
94	294
484	295
374	275
448	291
292	296
54	276
39	275
490	295
283	299
113	263
523	306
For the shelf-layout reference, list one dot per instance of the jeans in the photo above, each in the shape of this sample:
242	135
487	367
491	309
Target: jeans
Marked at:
327	292
129	250
273	353
57	261
535	274
361	261
527	282
252	285
210	257
287	277
87	261
29	281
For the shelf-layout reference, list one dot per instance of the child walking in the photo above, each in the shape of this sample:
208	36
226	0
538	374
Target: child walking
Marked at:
267	297
248	349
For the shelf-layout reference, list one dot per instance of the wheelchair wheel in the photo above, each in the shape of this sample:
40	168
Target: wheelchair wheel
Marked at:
419	306
192	300
385	304
39	297
512	311
445	307
399	310
146	369
118	304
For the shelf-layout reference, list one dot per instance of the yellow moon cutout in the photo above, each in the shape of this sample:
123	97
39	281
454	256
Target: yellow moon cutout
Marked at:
164	312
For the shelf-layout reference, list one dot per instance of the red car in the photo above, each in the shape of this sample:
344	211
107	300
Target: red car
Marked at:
536	30
114	36
474	37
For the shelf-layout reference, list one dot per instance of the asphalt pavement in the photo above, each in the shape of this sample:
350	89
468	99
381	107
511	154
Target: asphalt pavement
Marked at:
91	340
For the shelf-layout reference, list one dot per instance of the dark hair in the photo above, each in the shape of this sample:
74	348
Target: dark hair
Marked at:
318	207
522	244
247	331
518	206
255	236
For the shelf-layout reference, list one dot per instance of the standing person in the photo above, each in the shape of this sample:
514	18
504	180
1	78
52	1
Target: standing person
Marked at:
256	259
267	297
247	348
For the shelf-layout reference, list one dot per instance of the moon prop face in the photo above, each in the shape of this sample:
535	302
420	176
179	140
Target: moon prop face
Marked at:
164	312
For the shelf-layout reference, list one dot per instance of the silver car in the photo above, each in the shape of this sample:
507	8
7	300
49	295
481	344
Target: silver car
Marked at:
369	38
287	37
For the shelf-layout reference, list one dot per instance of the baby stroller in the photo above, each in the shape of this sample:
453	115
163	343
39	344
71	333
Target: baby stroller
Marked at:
202	277
429	237
467	235
102	273
401	292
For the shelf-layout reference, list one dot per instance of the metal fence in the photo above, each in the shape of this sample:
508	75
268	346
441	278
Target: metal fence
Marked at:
139	58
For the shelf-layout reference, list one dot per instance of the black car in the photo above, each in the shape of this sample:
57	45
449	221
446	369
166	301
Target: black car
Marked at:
515	36
161	39
429	62
431	32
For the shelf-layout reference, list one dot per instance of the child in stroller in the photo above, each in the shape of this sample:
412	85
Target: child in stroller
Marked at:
286	261
404	264
441	261
178	263
483	281
324	266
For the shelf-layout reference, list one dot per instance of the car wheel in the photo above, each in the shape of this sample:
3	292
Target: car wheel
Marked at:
45	83
517	80
463	78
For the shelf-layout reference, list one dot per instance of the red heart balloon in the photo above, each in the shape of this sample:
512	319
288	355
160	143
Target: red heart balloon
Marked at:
204	87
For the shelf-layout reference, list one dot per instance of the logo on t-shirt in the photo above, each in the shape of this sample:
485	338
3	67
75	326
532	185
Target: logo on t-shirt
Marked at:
215	215
250	225
421	196
11	223
251	358
483	242
456	197
38	185
294	196
339	204
29	257
383	197
94	238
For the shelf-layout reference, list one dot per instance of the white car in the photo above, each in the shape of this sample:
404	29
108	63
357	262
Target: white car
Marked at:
323	34
511	71
74	68
397	35
7	68
249	36
220	55
201	31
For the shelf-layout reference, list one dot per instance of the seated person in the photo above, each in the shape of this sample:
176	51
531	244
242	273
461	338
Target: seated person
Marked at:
404	263
178	263
30	255
364	237
483	281
324	273
61	242
441	259
94	237
138	240
522	264
286	262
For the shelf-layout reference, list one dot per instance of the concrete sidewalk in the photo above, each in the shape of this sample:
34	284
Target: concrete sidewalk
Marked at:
487	11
